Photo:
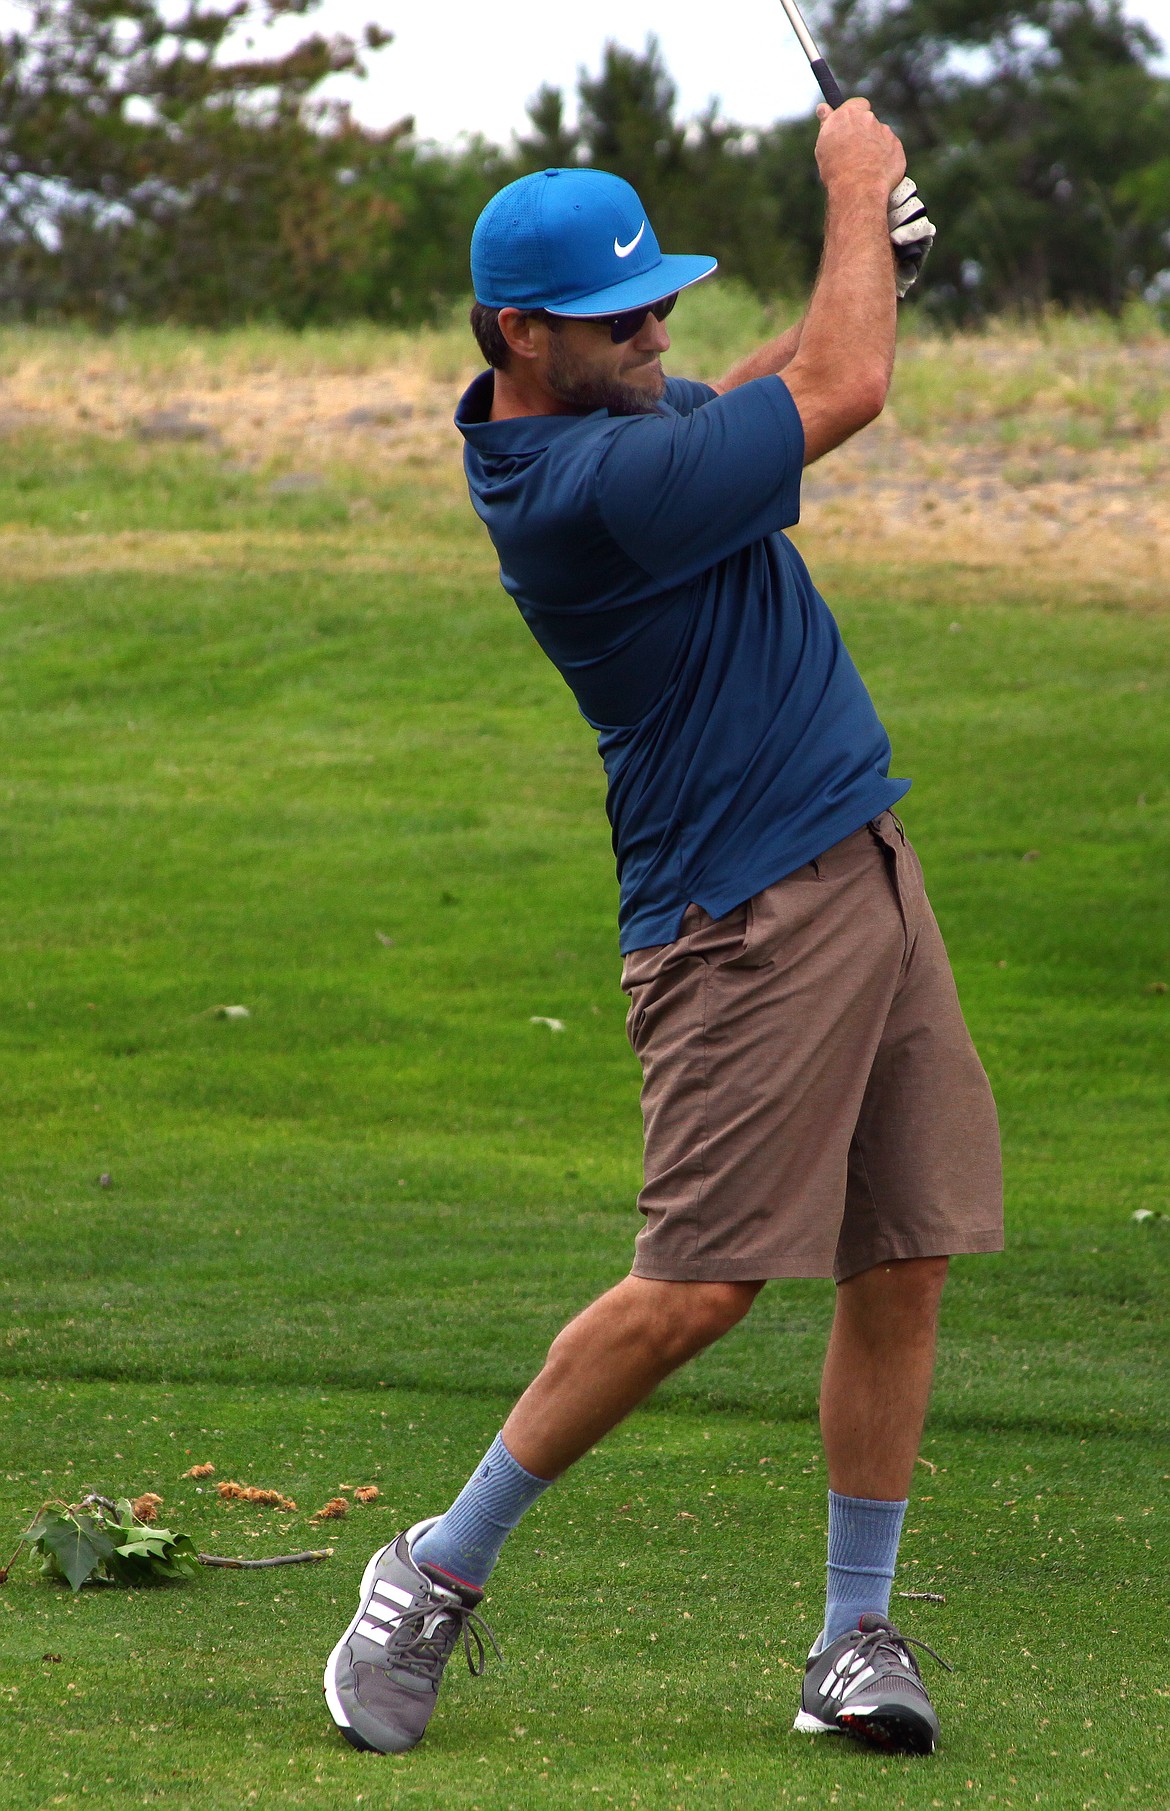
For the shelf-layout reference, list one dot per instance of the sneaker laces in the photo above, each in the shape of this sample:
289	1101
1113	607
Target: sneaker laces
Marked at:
872	1643
427	1655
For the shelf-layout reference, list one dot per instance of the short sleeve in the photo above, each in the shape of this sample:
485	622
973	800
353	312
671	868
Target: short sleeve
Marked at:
679	492
686	394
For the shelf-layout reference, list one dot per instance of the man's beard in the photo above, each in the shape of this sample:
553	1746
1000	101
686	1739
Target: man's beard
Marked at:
573	382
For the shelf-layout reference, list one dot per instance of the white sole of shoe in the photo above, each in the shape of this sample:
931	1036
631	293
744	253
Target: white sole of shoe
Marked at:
332	1696
808	1725
336	1709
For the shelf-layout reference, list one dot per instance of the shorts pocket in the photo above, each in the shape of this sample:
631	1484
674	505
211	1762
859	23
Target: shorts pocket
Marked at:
737	940
667	1006
717	942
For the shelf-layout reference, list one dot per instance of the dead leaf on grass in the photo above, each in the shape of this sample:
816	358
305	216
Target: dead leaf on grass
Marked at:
332	1511
146	1507
248	1493
367	1493
200	1471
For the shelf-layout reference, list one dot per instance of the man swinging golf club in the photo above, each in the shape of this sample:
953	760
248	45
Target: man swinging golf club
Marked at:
813	1105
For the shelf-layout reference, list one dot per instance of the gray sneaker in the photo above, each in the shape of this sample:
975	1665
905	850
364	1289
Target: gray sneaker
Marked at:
867	1685
382	1679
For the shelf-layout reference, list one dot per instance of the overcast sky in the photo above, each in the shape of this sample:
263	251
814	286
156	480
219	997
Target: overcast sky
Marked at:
463	67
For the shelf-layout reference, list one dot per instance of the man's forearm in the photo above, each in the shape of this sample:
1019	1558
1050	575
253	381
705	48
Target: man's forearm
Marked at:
837	363
852	317
841	373
766	361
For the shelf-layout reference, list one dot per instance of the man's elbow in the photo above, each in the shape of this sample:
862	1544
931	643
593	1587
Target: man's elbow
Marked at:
853	401
841	416
868	397
834	409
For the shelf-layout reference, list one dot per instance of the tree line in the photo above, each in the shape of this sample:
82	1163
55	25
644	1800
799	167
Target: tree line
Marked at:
154	167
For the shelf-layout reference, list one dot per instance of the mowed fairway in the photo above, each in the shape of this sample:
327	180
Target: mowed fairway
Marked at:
294	754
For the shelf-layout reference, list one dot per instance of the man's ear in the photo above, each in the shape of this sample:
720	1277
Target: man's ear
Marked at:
521	332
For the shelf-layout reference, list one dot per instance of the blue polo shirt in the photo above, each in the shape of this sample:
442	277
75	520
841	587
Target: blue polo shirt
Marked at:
647	556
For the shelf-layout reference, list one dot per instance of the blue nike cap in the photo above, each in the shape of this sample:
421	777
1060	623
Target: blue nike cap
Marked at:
574	242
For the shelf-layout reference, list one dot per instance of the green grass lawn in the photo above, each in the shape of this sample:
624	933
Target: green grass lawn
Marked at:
348	793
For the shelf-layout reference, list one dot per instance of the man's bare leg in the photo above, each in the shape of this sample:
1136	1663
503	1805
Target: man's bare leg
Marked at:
419	1590
599	1367
874	1393
615	1353
618	1350
877	1376
610	1358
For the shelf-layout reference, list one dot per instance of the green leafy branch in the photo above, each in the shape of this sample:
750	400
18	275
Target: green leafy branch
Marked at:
102	1542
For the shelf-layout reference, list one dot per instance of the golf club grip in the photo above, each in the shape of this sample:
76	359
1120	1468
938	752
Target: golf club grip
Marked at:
827	82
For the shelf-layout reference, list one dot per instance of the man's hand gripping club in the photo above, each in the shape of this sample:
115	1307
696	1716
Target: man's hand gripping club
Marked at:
842	367
911	233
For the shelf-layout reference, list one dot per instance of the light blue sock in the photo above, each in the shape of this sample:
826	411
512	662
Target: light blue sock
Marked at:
863	1552
465	1543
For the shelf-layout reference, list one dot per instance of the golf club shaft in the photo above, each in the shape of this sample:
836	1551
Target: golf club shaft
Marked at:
910	259
826	80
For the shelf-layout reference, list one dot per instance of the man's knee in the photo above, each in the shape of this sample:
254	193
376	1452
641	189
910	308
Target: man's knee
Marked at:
669	1322
902	1288
701	1313
919	1281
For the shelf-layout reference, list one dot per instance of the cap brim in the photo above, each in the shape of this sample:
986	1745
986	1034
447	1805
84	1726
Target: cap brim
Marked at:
666	278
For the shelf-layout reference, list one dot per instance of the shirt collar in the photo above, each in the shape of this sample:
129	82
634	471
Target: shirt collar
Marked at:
518	434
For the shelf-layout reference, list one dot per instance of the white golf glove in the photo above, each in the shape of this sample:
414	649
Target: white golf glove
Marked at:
911	233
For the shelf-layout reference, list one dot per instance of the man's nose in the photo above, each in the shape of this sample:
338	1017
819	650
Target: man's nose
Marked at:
652	336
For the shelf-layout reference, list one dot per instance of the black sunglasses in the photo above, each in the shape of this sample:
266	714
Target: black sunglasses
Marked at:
622	327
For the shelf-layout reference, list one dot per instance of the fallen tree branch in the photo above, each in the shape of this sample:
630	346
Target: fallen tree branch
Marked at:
280	1559
91	1547
216	1559
5	1570
94	1500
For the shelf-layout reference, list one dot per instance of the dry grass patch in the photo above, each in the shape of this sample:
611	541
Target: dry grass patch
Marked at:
1044	448
38	554
1047	446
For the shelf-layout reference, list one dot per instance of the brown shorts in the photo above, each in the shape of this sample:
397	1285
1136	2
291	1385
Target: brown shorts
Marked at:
812	1100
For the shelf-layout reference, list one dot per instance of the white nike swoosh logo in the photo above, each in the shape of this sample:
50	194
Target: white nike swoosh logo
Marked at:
623	251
